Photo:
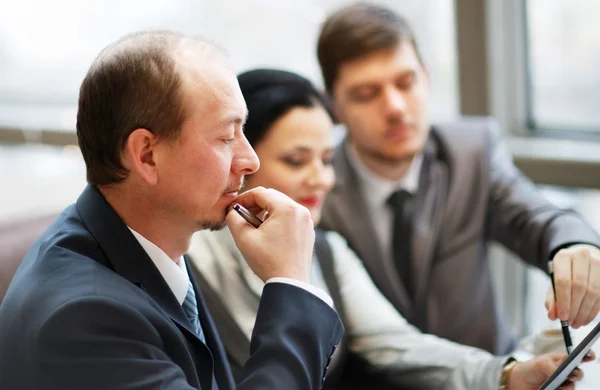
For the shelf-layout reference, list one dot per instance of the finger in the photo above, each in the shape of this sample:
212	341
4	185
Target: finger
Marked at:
585	315
260	198
589	357
568	385
586	311
580	266
562	281
237	224
594	312
593	292
557	358
548	363
263	215
576	375
551	304
256	198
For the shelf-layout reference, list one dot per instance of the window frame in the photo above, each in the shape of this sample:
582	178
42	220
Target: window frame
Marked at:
531	124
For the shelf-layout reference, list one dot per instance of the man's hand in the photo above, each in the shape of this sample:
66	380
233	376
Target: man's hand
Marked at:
530	375
283	245
577	279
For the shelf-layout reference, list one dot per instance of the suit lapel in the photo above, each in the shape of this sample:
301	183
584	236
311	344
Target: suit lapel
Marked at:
431	201
130	260
352	211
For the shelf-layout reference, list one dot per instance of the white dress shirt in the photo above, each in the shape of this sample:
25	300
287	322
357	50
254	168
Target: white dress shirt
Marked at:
177	278
376	191
175	274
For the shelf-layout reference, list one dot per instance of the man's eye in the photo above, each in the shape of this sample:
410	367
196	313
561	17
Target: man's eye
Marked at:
364	96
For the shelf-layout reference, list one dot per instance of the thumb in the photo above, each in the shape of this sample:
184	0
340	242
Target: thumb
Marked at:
551	304
237	224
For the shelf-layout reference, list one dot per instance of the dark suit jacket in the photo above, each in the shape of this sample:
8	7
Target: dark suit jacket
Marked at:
87	309
469	193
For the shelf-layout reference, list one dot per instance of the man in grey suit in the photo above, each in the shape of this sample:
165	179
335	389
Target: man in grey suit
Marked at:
419	202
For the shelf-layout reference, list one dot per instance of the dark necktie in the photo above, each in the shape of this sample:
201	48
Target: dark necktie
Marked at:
402	204
190	307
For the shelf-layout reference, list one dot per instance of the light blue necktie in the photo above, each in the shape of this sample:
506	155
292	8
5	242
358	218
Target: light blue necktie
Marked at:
190	306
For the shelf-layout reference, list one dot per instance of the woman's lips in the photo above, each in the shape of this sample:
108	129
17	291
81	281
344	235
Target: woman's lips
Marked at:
310	201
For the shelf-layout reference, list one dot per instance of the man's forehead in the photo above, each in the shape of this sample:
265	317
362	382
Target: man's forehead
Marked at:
401	58
215	90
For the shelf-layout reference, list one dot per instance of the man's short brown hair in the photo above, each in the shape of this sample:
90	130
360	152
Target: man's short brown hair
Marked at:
134	83
356	31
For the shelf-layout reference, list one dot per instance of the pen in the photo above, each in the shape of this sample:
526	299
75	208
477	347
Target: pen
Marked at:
247	215
563	324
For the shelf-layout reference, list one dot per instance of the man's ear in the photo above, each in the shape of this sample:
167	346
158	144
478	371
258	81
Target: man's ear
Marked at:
139	155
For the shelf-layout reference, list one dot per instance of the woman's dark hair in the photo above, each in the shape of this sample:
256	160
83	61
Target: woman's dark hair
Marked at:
270	94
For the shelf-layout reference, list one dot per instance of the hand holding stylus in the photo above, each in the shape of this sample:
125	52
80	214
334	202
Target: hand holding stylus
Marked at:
577	280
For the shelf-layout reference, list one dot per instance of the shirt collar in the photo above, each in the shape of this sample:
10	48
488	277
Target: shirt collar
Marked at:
175	274
380	189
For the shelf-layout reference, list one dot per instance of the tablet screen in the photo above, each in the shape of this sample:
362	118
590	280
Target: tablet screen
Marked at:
572	361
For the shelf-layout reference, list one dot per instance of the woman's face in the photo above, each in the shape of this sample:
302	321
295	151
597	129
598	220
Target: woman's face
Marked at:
295	157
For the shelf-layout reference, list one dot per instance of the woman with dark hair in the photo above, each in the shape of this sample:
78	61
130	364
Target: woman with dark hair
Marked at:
290	127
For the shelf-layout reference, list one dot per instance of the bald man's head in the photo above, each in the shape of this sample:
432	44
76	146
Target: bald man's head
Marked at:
137	82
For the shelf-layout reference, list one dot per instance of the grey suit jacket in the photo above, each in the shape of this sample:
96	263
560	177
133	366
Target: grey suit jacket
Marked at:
469	193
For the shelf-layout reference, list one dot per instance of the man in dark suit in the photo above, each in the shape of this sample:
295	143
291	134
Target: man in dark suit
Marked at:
419	202
104	299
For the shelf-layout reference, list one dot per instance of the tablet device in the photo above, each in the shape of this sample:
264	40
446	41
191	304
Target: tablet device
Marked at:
559	376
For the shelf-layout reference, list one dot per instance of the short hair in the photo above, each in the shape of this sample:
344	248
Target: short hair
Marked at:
356	31
134	83
270	94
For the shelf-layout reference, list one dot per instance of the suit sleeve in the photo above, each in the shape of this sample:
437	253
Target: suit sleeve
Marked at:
520	218
81	346
293	339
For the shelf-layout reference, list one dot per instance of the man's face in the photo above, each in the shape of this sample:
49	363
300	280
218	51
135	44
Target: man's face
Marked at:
202	171
382	100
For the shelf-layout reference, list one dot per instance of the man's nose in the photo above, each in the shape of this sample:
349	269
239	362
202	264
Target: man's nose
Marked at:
246	160
395	101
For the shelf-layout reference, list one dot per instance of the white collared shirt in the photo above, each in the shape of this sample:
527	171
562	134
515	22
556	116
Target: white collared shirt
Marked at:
177	278
376	191
175	274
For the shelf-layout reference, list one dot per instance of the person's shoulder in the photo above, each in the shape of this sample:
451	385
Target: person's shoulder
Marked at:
65	264
471	128
466	138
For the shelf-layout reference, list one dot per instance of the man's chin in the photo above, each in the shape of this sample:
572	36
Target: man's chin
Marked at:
211	225
401	153
393	157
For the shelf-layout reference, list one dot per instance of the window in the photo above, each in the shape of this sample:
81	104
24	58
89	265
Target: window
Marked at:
47	46
563	57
